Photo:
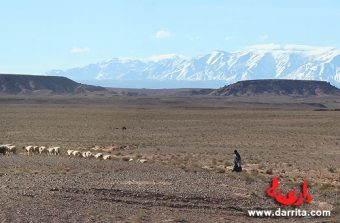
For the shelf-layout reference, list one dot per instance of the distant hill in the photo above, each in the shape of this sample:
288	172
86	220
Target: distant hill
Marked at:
278	87
28	84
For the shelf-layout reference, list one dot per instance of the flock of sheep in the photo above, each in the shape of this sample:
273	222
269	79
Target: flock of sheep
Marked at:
88	154
7	149
41	150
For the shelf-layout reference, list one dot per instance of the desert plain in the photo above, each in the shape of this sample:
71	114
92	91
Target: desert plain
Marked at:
188	143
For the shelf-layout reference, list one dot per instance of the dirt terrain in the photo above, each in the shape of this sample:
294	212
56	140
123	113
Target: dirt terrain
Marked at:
188	143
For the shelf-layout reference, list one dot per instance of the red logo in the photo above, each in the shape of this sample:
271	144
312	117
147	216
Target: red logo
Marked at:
292	198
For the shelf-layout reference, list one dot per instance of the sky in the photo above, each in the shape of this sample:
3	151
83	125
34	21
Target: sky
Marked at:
40	35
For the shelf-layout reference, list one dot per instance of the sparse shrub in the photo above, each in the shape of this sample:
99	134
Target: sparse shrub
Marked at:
249	178
256	161
269	171
125	159
138	156
254	194
331	169
226	164
140	217
254	171
220	170
261	166
180	219
325	189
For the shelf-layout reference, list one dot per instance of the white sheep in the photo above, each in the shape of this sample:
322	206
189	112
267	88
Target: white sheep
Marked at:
107	157
69	152
143	160
98	155
12	149
76	153
56	150
89	154
9	148
84	154
50	150
53	150
42	149
28	149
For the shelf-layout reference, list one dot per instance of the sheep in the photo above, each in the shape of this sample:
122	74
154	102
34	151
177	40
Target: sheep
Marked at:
42	149
35	149
107	157
56	150
76	153
50	150
89	154
8	148
84	154
143	160
28	149
53	150
12	149
3	149
98	155
69	152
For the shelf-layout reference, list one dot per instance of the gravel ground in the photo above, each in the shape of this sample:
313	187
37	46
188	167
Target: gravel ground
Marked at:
188	143
60	189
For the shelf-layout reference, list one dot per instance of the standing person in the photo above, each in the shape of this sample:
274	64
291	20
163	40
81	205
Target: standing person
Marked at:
237	162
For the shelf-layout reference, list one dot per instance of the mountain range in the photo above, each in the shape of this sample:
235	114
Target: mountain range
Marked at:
215	69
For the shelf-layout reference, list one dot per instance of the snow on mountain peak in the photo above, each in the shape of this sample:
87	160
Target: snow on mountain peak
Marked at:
254	62
157	58
288	47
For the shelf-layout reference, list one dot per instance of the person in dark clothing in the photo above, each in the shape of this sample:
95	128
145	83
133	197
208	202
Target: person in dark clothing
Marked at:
237	162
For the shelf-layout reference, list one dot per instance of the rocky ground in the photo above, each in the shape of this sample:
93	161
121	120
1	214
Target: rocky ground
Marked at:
61	189
187	176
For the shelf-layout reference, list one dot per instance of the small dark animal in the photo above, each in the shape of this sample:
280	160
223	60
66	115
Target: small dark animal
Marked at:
2	150
123	128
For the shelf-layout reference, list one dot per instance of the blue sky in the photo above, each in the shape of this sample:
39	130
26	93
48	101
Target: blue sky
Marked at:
40	35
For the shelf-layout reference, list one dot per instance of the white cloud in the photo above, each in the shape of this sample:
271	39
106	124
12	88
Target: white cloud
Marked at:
264	36
77	50
162	34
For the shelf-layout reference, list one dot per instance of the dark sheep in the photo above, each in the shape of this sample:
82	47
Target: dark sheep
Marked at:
3	150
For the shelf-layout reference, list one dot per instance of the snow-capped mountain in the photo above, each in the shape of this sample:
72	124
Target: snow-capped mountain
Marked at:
255	62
